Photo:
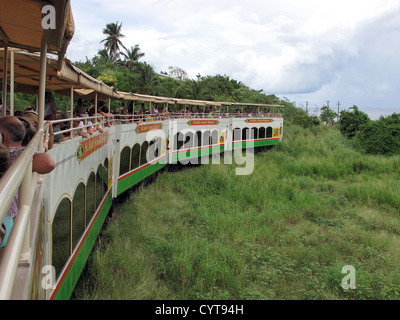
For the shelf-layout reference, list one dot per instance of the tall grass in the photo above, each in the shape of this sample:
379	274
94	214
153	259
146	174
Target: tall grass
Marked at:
311	206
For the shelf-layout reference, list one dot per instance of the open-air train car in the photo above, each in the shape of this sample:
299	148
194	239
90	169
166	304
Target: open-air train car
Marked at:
61	213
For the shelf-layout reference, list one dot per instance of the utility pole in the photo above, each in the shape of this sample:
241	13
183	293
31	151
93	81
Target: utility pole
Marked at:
338	105
307	107
327	103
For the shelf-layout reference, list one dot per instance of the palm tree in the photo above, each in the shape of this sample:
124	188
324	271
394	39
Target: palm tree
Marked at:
104	55
147	81
112	42
132	56
196	90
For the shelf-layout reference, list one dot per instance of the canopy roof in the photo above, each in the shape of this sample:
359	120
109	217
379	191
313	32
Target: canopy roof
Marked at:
27	71
21	25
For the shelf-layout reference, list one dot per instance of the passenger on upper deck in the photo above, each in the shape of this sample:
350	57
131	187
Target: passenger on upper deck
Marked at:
81	131
131	108
93	122
80	110
50	108
142	109
164	114
156	112
13	133
4	159
103	110
6	225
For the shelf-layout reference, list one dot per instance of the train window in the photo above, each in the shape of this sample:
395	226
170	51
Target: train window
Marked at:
78	214
245	134
254	133
237	134
178	141
197	139
61	235
269	132
124	160
206	140
214	137
90	197
105	176
143	153
262	133
151	150
135	163
101	184
189	140
157	153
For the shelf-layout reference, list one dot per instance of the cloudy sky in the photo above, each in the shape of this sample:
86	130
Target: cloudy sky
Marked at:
309	51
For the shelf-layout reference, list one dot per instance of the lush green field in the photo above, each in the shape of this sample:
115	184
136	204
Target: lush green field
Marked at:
311	206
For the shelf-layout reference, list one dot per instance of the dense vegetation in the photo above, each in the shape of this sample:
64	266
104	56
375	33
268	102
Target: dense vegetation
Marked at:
375	137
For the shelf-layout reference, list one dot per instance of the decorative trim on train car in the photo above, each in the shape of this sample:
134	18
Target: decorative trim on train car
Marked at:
275	133
221	138
164	147
258	120
203	122
88	146
148	127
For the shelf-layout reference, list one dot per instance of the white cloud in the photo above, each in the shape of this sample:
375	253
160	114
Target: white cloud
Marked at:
288	47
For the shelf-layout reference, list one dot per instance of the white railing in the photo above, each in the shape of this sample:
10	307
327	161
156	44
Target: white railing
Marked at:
18	178
145	117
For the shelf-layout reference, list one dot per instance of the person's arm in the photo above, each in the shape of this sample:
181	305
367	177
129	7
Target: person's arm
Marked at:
51	136
43	163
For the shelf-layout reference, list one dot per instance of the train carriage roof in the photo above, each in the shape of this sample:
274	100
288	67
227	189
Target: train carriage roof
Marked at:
27	71
21	25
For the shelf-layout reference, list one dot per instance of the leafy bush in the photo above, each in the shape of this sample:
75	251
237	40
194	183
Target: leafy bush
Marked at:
351	121
381	136
306	121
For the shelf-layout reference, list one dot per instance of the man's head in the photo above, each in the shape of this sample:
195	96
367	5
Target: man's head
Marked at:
12	131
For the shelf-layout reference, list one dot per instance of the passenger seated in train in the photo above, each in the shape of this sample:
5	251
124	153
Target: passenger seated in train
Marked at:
164	114
31	121
13	133
103	110
53	129
80	129
156	112
4	158
50	107
93	123
131	108
80	109
6	225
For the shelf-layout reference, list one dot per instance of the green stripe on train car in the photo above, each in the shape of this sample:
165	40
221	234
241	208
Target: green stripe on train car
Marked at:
191	154
255	144
134	178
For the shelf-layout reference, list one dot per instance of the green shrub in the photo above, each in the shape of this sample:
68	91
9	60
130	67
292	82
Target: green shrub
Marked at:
381	136
351	121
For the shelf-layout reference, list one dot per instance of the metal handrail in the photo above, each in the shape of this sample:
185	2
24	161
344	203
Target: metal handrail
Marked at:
192	115
18	178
